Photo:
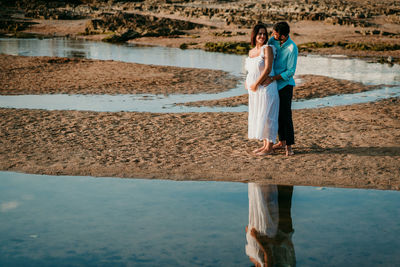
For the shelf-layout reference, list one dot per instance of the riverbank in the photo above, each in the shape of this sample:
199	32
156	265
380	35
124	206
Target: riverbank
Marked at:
349	146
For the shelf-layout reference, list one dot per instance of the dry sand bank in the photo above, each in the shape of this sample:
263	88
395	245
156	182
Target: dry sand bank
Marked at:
350	146
49	75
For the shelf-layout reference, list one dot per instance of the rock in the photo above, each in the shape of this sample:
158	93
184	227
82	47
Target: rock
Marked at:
128	35
360	16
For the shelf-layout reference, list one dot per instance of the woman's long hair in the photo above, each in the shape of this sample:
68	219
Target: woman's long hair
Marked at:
255	31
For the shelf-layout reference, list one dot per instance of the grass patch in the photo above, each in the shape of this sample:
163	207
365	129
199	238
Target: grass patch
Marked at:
239	48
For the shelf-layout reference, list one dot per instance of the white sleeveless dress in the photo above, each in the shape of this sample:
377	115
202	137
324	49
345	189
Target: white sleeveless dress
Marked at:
264	103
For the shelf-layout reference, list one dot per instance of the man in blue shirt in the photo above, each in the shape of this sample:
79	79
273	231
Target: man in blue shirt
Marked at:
284	67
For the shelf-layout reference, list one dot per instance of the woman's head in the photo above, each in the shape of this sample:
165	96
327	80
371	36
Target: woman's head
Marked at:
259	34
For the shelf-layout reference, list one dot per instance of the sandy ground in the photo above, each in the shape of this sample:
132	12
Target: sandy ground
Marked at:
49	75
58	27
348	146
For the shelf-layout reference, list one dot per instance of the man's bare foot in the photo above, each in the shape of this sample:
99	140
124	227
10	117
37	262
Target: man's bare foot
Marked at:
280	145
289	151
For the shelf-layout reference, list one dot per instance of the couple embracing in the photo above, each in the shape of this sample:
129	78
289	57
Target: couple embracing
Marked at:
270	66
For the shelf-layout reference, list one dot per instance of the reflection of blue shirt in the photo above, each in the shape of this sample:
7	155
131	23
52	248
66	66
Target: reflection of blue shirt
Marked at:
285	62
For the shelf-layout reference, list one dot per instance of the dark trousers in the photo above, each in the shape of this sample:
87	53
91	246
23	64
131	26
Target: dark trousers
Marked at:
285	122
285	193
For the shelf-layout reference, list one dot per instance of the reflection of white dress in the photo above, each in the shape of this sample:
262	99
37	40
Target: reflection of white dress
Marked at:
264	103
263	216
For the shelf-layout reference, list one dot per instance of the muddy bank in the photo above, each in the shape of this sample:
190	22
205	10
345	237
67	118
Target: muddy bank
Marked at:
50	75
351	146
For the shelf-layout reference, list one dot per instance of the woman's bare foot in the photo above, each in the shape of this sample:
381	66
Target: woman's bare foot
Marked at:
289	151
268	150
265	146
255	151
280	145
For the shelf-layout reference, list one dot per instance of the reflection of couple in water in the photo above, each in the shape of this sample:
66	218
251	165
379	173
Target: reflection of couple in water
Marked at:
269	232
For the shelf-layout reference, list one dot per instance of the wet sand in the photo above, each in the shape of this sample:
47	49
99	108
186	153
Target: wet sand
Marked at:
350	146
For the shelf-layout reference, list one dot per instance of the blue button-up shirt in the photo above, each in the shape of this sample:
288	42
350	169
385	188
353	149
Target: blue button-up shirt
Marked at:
285	62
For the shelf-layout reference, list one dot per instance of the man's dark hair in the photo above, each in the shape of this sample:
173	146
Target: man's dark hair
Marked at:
255	31
282	28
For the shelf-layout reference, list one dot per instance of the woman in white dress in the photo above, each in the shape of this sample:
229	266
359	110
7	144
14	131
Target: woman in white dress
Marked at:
263	100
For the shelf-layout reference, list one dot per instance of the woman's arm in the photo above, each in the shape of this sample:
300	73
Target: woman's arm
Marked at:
268	58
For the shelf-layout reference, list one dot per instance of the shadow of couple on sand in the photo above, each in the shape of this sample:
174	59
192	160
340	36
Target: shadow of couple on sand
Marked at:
360	151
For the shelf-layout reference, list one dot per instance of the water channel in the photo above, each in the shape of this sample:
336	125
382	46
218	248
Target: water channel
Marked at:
75	221
335	67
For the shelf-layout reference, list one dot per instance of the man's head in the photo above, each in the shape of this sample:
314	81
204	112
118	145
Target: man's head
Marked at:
281	31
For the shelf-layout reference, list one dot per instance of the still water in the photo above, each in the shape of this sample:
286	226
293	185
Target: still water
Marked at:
64	221
166	104
349	69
